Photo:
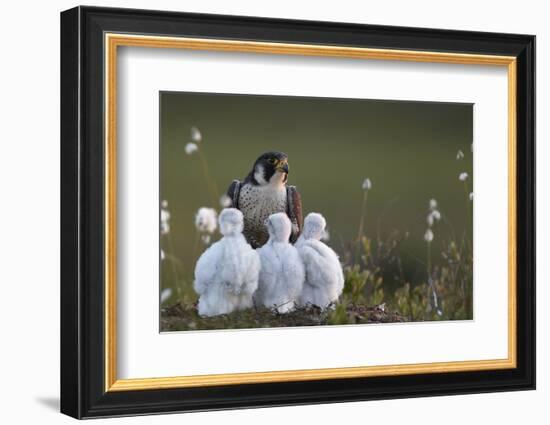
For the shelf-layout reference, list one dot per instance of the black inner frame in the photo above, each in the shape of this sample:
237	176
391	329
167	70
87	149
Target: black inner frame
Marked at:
82	212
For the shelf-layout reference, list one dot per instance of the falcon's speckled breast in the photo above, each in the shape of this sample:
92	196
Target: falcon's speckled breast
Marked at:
257	203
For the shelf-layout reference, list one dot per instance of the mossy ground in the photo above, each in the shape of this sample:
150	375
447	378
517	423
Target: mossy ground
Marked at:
182	317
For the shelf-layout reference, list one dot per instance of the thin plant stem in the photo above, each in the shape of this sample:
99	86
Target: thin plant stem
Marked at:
468	210
429	263
466	249
363	214
361	226
210	182
195	247
433	295
174	270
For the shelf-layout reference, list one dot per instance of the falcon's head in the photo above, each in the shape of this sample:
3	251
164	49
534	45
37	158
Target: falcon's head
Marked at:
269	168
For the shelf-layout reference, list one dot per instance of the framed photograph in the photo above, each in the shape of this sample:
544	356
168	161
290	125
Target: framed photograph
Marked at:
261	212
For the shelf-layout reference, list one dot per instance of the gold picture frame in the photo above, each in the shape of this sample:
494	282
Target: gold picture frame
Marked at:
114	41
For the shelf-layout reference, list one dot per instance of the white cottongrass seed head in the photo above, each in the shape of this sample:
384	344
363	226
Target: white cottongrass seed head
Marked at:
367	184
471	196
429	235
164	227
206	220
463	177
430	220
225	201
433	204
433	216
191	148
459	155
165	295
164	218
196	135
162	255
164	215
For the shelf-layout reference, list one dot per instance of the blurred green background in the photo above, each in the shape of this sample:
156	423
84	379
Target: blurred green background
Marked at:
407	149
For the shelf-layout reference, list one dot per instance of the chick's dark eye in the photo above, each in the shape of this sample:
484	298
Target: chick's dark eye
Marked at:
272	160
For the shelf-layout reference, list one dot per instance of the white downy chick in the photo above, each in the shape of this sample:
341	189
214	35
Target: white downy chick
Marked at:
324	280
282	272
226	274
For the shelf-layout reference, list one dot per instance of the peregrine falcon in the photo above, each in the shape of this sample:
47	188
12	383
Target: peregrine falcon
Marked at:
264	192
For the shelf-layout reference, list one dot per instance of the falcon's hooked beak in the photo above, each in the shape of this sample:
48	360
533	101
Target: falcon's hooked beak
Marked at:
282	166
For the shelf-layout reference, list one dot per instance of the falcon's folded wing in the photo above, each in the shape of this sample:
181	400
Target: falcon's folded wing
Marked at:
294	211
233	193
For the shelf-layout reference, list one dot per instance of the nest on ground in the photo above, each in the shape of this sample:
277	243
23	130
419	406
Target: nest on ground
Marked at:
183	317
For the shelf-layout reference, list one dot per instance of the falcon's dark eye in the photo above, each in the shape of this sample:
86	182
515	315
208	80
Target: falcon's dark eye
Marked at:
272	161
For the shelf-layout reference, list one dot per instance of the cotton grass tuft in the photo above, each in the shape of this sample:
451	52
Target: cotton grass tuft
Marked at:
206	220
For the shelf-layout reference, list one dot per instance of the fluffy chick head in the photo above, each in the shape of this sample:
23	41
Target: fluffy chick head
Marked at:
231	221
314	226
279	227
